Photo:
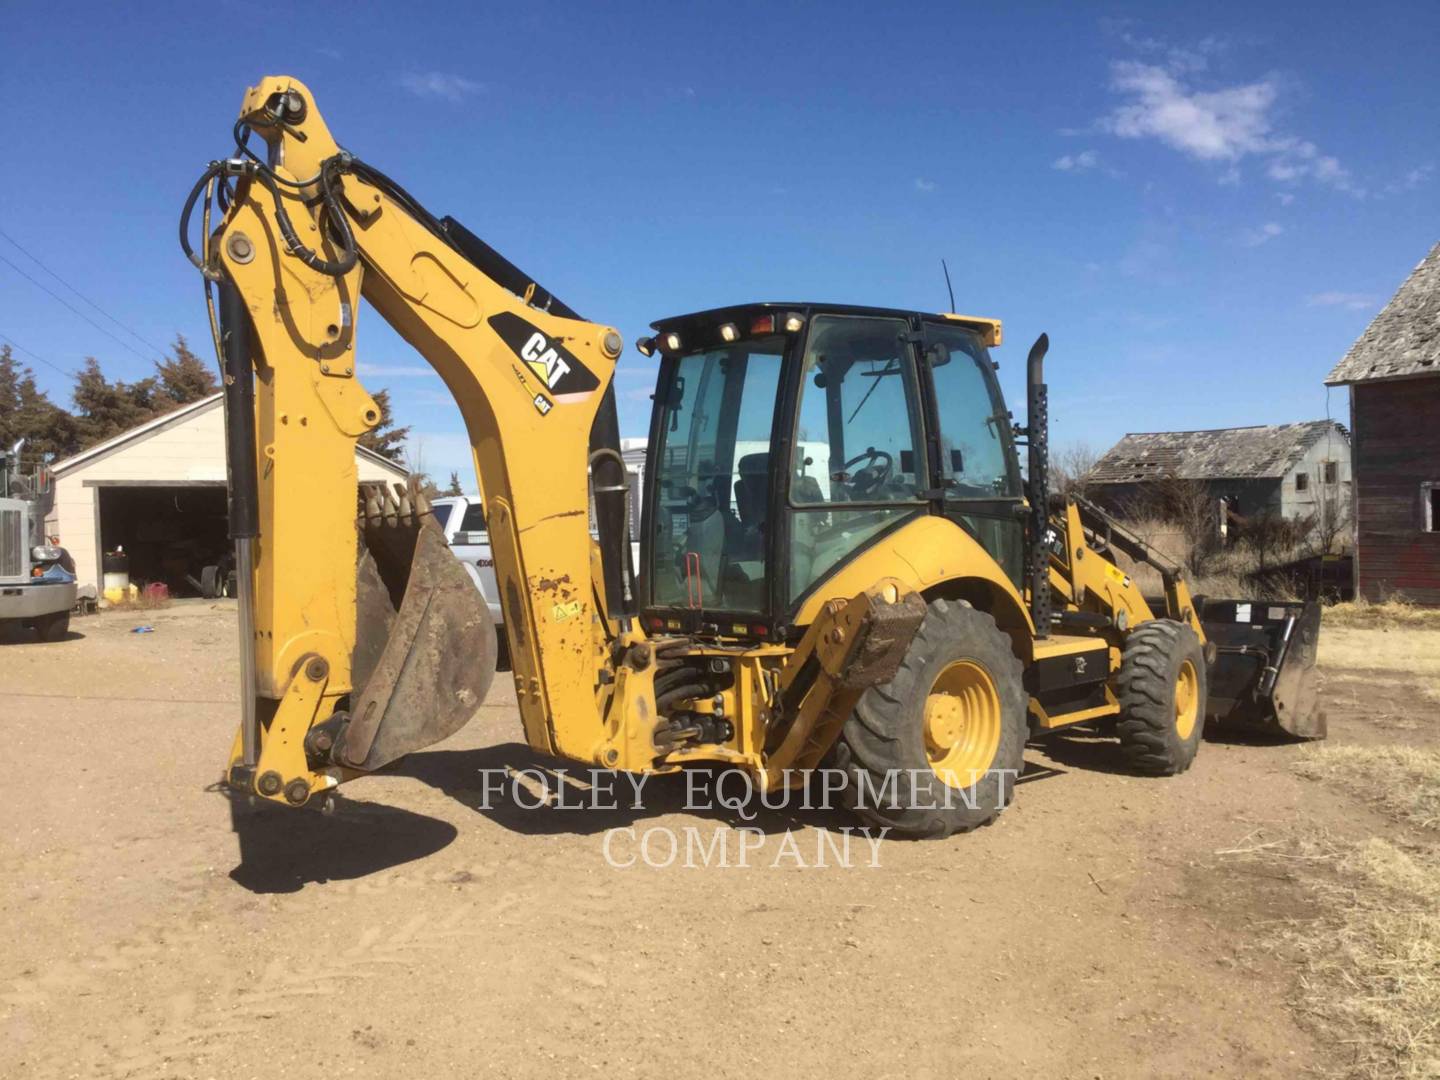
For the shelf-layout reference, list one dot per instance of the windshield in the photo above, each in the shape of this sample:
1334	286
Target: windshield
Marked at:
713	477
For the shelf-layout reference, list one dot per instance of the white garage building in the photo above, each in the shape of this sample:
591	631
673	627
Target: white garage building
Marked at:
158	490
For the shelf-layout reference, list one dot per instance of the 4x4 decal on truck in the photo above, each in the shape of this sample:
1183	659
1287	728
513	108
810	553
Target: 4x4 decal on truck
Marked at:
558	369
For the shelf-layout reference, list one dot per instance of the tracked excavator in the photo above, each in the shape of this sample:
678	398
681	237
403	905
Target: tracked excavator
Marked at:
840	561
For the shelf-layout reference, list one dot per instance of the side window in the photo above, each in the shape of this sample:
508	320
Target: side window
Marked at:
1430	506
472	525
442	513
1302	481
858	466
974	425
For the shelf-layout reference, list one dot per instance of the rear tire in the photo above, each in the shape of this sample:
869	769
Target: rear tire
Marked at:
958	676
53	627
1162	692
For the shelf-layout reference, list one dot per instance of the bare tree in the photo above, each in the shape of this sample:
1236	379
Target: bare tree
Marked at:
1332	533
1071	467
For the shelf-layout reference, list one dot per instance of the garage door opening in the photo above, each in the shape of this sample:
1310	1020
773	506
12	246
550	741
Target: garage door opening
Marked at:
171	533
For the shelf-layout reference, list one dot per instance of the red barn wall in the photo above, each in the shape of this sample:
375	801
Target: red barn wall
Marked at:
1396	448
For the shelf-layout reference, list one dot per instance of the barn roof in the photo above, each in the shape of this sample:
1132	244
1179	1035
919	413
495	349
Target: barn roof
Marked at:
1246	453
1404	339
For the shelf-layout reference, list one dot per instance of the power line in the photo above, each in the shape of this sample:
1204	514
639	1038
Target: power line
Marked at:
35	259
40	359
73	309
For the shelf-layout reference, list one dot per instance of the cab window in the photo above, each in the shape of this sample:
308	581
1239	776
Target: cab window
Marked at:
857	465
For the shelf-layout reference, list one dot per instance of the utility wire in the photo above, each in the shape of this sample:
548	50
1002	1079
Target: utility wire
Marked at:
35	259
74	310
11	341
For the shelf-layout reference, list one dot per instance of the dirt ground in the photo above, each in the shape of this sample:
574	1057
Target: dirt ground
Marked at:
1097	930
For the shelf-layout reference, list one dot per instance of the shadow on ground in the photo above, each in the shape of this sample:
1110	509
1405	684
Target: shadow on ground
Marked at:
283	850
532	794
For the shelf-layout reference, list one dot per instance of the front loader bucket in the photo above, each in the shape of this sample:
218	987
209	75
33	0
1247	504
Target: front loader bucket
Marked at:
1262	677
424	640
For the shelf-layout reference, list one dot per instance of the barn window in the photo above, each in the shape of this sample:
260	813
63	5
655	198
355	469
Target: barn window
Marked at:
1430	505
1332	472
1302	481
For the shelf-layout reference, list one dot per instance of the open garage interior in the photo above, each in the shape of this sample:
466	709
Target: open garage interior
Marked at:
170	533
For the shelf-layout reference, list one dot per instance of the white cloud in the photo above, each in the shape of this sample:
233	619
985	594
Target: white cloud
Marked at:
1349	300
440	84
1285	197
1262	235
1411	180
1086	159
921	184
1218	125
1225	125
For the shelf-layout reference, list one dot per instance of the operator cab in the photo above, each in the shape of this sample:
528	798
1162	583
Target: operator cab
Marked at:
787	438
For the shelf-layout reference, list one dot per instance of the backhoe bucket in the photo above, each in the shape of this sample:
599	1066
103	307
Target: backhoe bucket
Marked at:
1262	677
424	639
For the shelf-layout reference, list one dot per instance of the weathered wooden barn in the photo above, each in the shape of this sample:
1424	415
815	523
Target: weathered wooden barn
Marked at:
1291	470
1393	373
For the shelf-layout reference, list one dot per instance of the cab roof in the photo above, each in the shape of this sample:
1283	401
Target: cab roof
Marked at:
988	329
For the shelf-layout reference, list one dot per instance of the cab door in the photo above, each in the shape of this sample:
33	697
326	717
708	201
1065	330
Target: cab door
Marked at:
976	474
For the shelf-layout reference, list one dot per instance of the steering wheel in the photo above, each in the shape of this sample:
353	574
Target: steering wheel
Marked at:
871	477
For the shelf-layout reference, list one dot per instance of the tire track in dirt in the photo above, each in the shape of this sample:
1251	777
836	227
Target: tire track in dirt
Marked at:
199	1024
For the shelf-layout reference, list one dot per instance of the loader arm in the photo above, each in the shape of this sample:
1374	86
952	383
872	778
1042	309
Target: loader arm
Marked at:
306	235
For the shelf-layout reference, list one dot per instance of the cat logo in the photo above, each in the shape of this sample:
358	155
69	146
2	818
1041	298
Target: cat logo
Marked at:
556	367
543	359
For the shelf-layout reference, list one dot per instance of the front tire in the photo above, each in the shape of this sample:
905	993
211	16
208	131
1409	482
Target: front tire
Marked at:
937	749
53	627
1162	692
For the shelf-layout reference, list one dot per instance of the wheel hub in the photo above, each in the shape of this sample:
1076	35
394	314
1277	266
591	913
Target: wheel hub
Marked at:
962	723
1187	699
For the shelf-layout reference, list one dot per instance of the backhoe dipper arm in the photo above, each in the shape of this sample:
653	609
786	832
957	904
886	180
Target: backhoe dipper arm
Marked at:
304	237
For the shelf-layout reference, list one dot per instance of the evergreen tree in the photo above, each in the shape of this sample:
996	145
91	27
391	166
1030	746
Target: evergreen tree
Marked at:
183	377
104	409
26	412
385	438
454	488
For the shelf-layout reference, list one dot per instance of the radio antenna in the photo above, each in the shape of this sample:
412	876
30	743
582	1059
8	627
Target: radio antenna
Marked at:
948	287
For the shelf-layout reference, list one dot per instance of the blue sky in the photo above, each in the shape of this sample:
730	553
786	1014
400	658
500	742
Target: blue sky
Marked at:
1203	208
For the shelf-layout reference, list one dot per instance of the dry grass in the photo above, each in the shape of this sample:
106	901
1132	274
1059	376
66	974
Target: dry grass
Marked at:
1401	781
1404	652
1370	960
1393	614
1370	963
1226	572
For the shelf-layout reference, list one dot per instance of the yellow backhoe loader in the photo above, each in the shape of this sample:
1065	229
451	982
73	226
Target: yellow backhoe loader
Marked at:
840	561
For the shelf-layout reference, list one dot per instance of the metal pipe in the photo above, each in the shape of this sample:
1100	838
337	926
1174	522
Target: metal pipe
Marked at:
244	488
1037	438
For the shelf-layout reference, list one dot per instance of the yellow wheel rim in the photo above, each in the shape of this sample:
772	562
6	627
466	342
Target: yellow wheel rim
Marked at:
1187	699
962	723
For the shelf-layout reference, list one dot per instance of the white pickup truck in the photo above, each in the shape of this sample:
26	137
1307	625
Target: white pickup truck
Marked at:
462	519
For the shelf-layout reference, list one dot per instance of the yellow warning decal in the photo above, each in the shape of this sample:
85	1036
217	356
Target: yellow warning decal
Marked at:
1116	574
561	612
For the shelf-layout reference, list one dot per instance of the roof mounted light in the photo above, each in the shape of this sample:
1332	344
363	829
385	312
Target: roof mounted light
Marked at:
762	324
672	342
645	345
729	332
793	323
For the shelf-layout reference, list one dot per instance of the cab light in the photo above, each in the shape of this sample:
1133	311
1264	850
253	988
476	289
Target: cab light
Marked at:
645	346
729	332
657	623
765	324
672	341
793	322
759	630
